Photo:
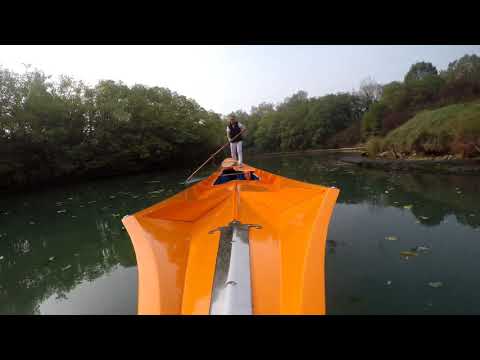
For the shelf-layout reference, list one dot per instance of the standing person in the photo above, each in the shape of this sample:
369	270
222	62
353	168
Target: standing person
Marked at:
233	129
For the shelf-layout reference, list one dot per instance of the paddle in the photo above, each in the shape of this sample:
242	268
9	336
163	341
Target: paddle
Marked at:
186	182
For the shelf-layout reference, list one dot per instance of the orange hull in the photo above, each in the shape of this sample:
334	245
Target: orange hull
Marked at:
176	249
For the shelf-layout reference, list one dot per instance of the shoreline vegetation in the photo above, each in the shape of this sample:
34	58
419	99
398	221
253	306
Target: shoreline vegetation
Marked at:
448	164
438	165
63	131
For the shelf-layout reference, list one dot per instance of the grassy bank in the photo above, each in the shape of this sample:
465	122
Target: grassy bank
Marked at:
453	129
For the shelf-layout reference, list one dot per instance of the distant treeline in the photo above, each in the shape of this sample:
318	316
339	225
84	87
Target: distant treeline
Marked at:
345	119
424	87
65	129
300	122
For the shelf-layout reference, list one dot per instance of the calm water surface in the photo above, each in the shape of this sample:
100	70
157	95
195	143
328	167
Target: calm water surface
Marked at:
64	250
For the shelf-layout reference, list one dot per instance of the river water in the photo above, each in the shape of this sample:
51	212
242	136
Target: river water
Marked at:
64	250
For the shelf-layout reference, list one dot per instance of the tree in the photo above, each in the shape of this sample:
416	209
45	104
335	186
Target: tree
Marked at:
372	120
369	93
51	130
467	66
420	70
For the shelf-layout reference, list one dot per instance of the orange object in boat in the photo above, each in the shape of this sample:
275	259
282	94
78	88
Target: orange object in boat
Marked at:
234	244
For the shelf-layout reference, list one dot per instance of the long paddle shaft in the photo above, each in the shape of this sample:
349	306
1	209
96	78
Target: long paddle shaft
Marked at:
211	157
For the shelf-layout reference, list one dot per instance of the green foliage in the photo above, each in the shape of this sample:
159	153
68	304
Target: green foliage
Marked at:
419	71
438	131
372	120
395	96
300	122
374	146
57	129
52	130
423	89
467	67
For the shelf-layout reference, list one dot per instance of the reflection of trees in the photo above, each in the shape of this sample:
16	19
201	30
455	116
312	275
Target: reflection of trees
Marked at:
92	243
432	196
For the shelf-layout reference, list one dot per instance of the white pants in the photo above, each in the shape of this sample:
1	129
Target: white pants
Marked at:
236	149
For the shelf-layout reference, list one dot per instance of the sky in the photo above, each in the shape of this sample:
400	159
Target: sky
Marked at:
228	78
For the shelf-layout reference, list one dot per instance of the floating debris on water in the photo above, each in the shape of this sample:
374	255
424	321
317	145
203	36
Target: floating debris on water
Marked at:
135	196
91	202
421	248
391	238
472	214
157	191
435	284
407	254
153	181
66	267
61	211
115	215
424	217
407	206
332	243
389	282
51	258
70	198
418	221
32	222
112	196
1	257
82	205
76	254
74	216
386	191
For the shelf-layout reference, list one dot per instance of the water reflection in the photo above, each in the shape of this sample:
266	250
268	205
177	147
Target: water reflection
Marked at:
367	275
65	250
430	197
58	240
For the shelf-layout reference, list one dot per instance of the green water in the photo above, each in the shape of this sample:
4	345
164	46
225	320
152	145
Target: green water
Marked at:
64	250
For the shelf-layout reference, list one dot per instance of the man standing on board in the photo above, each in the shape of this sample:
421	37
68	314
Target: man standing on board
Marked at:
233	129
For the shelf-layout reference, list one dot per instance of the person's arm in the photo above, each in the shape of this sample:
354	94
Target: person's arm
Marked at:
243	128
228	134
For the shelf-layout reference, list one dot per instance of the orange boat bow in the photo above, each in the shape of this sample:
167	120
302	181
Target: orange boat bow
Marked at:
176	247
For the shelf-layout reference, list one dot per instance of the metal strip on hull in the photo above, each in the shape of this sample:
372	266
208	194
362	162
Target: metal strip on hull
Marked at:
232	286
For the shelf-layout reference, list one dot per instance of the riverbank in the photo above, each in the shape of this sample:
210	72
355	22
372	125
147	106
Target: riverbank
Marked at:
355	150
445	165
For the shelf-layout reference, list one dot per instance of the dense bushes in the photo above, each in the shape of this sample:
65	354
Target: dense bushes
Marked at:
451	129
57	129
374	145
300	123
423	88
53	130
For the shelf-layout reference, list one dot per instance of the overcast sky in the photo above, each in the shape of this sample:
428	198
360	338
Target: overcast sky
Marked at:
228	78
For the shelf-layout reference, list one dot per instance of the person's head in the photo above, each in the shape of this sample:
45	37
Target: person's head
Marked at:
233	119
